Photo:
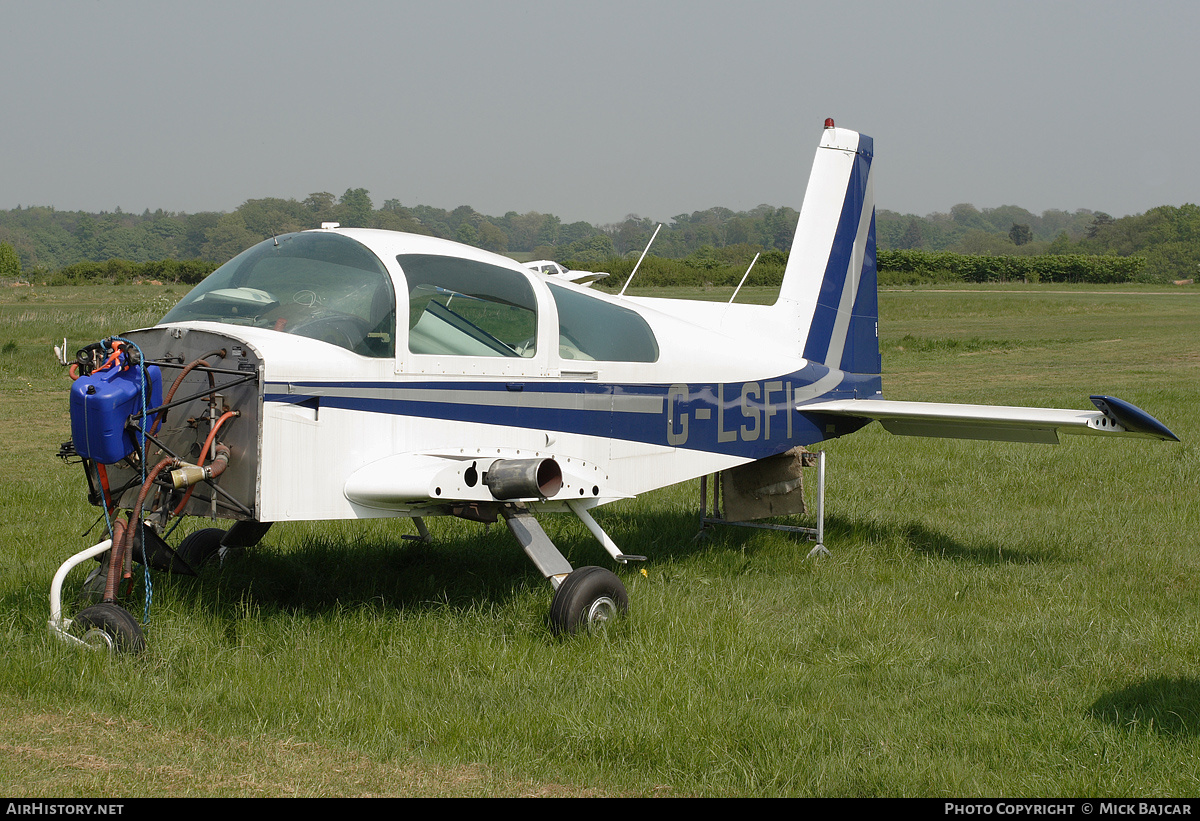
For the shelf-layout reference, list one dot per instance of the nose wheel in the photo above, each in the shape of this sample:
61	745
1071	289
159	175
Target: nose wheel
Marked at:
110	627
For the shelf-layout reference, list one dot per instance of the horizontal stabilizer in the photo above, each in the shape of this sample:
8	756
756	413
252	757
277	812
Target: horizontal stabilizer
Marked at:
997	423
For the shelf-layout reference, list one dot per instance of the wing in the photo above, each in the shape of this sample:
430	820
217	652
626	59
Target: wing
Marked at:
999	423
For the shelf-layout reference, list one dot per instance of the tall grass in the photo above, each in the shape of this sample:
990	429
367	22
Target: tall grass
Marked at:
1011	620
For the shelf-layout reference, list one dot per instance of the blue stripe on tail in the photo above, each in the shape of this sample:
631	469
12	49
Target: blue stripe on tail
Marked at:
852	342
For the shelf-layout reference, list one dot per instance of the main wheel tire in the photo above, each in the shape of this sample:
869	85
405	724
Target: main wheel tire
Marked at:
107	626
587	600
197	548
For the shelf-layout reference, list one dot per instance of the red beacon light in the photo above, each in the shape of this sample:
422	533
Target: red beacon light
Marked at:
829	122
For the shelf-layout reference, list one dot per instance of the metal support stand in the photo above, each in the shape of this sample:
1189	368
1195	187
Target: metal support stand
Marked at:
58	625
816	534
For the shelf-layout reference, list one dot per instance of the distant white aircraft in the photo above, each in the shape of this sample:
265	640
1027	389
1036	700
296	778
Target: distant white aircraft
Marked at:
550	268
347	373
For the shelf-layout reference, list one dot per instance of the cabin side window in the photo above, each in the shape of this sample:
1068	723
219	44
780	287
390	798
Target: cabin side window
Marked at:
461	307
593	329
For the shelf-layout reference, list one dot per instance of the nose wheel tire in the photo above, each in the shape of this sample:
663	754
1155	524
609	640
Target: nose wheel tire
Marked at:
110	627
587	600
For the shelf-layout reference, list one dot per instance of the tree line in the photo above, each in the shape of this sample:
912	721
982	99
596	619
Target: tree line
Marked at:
1166	238
42	240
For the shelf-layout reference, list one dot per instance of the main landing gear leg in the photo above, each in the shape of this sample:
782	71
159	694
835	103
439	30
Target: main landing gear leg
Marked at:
585	599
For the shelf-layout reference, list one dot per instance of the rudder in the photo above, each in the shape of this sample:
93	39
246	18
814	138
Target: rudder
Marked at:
830	287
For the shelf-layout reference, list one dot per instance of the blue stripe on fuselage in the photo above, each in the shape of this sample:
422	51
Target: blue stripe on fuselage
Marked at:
750	419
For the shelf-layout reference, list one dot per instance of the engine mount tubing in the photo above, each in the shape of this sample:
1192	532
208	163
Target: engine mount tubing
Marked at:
167	406
212	434
162	414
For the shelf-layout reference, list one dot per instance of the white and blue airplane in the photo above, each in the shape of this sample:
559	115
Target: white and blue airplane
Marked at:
550	268
347	373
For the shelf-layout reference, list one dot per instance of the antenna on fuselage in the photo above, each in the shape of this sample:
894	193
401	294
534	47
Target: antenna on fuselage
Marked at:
639	262
743	282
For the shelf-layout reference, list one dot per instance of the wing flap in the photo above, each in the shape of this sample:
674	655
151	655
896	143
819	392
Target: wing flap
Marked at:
997	422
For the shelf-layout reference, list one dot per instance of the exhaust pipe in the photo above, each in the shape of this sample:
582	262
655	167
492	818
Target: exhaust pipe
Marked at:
524	478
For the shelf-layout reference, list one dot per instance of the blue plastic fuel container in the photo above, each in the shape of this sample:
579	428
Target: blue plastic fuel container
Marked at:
102	402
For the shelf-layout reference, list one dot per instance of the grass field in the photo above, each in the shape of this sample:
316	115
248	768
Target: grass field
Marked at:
994	620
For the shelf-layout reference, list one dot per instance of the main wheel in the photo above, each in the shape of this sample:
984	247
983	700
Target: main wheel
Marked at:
107	626
587	599
197	548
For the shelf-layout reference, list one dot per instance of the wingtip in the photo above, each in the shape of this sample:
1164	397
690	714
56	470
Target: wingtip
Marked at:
1132	418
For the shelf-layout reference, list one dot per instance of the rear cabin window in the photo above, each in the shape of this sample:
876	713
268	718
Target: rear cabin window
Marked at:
592	329
461	307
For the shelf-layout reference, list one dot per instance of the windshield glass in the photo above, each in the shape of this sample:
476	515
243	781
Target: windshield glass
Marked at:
315	284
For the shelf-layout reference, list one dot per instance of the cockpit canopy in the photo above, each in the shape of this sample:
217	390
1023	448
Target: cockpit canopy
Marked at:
315	284
327	286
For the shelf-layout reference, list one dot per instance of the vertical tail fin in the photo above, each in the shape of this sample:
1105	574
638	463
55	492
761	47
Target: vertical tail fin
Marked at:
829	295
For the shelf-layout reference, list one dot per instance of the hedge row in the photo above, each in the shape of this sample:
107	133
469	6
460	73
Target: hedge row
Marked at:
118	271
942	266
694	271
895	267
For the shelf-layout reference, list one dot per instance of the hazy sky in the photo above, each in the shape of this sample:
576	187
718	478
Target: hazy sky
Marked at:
595	110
